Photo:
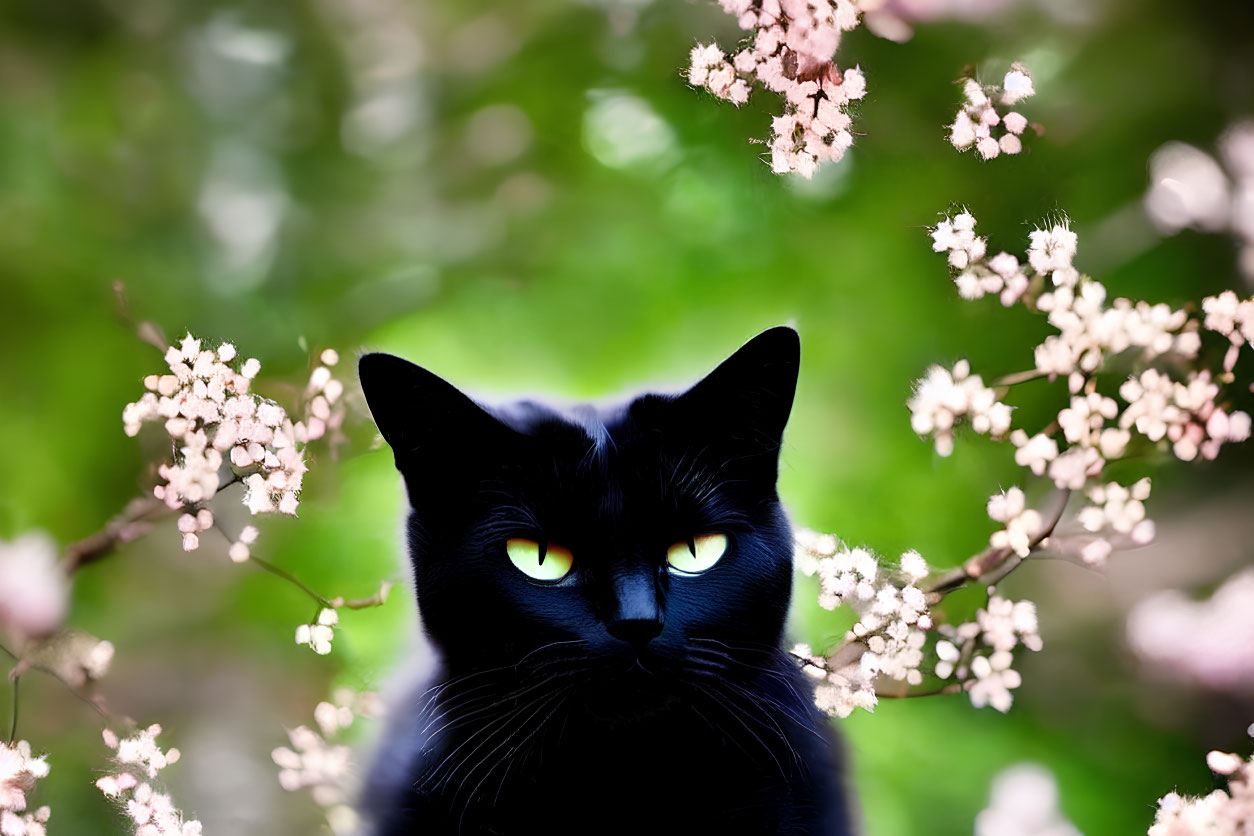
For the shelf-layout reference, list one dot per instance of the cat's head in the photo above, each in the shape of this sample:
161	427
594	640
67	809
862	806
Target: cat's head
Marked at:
636	533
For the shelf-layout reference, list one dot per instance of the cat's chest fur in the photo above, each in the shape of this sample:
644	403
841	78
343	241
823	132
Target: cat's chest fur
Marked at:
685	761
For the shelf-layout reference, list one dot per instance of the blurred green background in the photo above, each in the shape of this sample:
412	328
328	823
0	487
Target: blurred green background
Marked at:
526	197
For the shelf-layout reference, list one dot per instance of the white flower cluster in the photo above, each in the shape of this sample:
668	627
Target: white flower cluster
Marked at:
314	764
1221	813
19	770
34	590
1094	428
324	408
979	123
319	634
209	413
1090	330
892	19
1208	642
1190	188
793	43
326	769
892	625
191	526
1024	802
1234	318
1115	511
151	812
980	653
944	397
838	689
1023	524
1186	414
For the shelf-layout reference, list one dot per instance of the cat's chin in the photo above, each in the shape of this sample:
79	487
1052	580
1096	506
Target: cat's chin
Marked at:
634	690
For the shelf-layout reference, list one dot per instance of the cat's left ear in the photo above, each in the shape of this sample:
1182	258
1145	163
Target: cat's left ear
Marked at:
748	398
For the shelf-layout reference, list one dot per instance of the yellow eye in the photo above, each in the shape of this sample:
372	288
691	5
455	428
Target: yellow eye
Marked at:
692	557
544	562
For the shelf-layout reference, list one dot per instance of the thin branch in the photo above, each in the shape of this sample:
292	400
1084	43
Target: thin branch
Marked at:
24	665
907	694
146	331
377	600
993	564
134	522
13	722
290	578
986	568
1017	378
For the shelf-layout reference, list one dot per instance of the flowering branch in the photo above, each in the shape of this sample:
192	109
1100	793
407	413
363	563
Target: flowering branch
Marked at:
324	767
994	563
792	51
82	674
1224	811
1190	188
979	117
224	434
136	520
13	720
221	434
898	631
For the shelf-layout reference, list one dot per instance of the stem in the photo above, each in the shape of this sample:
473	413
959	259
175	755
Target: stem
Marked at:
290	578
13	722
134	522
986	568
376	600
24	666
906	694
1018	377
993	564
146	331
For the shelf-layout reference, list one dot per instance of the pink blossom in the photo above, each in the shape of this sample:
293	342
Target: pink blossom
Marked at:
34	590
1210	642
1024	802
19	770
792	54
975	122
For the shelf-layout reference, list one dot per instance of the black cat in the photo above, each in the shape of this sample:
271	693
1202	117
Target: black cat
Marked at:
607	591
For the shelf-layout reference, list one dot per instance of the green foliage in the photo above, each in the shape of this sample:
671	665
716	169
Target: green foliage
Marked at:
551	273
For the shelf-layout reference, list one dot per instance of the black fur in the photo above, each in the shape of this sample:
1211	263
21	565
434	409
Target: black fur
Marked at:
553	711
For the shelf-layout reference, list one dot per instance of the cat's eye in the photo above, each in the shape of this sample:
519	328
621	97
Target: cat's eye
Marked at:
697	554
547	562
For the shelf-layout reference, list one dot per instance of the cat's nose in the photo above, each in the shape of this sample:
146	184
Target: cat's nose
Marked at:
636	631
637	613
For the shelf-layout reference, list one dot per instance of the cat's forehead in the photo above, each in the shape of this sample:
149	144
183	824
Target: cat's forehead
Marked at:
624	465
595	438
595	422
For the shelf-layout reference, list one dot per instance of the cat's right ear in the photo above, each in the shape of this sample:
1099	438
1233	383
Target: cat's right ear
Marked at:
419	414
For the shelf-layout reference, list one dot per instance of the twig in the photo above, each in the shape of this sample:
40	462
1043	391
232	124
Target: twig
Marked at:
1018	377
290	578
134	522
23	666
377	600
13	722
146	331
993	564
986	568
907	694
